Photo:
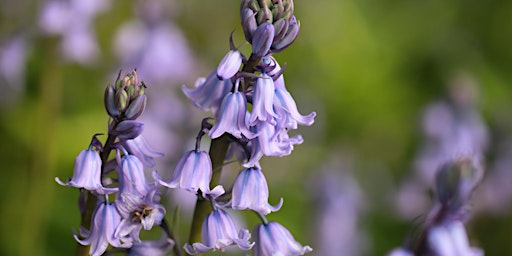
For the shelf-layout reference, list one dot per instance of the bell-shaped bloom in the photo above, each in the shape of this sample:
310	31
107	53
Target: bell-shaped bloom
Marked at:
131	176
449	239
193	172
250	191
274	239
217	233
160	247
87	173
229	65
400	252
232	117
262	100
105	220
140	148
209	93
138	212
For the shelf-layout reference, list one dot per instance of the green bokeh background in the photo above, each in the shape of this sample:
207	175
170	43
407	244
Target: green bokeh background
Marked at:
367	67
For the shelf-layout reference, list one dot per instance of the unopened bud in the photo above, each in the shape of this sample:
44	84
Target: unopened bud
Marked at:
229	65
121	100
128	129
109	102
248	23
136	108
263	37
288	38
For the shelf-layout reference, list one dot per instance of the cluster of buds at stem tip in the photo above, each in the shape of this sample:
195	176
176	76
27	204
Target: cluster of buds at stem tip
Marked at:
125	100
269	25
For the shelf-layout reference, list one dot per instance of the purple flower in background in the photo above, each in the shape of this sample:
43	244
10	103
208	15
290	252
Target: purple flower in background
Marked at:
250	191
138	212
232	117
160	247
450	239
217	233
140	148
193	172
400	252
229	65
208	93
87	173
131	176
104	222
274	239
13	56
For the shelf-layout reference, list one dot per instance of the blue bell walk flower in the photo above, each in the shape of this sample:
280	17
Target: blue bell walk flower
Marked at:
250	191
450	238
138	212
262	100
160	247
193	172
208	93
275	240
229	65
140	148
131	176
217	233
87	173
105	220
232	117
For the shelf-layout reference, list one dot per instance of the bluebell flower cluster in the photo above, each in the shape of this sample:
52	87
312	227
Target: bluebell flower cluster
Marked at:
117	220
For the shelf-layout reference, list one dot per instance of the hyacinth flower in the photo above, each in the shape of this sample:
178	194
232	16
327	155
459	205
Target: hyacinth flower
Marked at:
160	247
138	212
105	220
193	173
273	239
140	148
217	233
450	238
262	100
131	175
87	173
250	191
209	92
229	65
232	117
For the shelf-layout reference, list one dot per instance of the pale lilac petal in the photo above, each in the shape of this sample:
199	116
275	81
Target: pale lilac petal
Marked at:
273	239
229	65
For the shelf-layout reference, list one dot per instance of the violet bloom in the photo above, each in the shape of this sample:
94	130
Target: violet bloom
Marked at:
104	222
193	172
131	176
274	239
160	247
87	173
138	212
140	148
250	191
208	93
217	233
232	117
262	100
400	252
229	65
449	239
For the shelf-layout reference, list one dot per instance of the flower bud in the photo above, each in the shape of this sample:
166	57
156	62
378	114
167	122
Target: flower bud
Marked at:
229	65
109	102
121	100
129	129
248	23
136	108
290	36
262	40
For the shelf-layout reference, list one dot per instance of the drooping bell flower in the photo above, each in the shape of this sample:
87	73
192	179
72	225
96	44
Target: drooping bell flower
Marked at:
193	172
131	175
87	173
274	239
208	93
250	191
217	233
262	100
140	148
229	65
105	220
450	238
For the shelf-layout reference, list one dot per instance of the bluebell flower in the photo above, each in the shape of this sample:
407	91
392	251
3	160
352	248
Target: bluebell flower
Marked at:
209	93
131	176
262	100
274	239
160	247
138	212
400	252
229	65
449	238
140	148
232	117
193	172
87	173
105	220
250	191
217	233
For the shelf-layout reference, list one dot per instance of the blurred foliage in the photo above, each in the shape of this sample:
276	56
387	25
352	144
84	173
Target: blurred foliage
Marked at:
367	67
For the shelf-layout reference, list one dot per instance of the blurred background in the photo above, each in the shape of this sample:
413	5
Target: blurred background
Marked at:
397	85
